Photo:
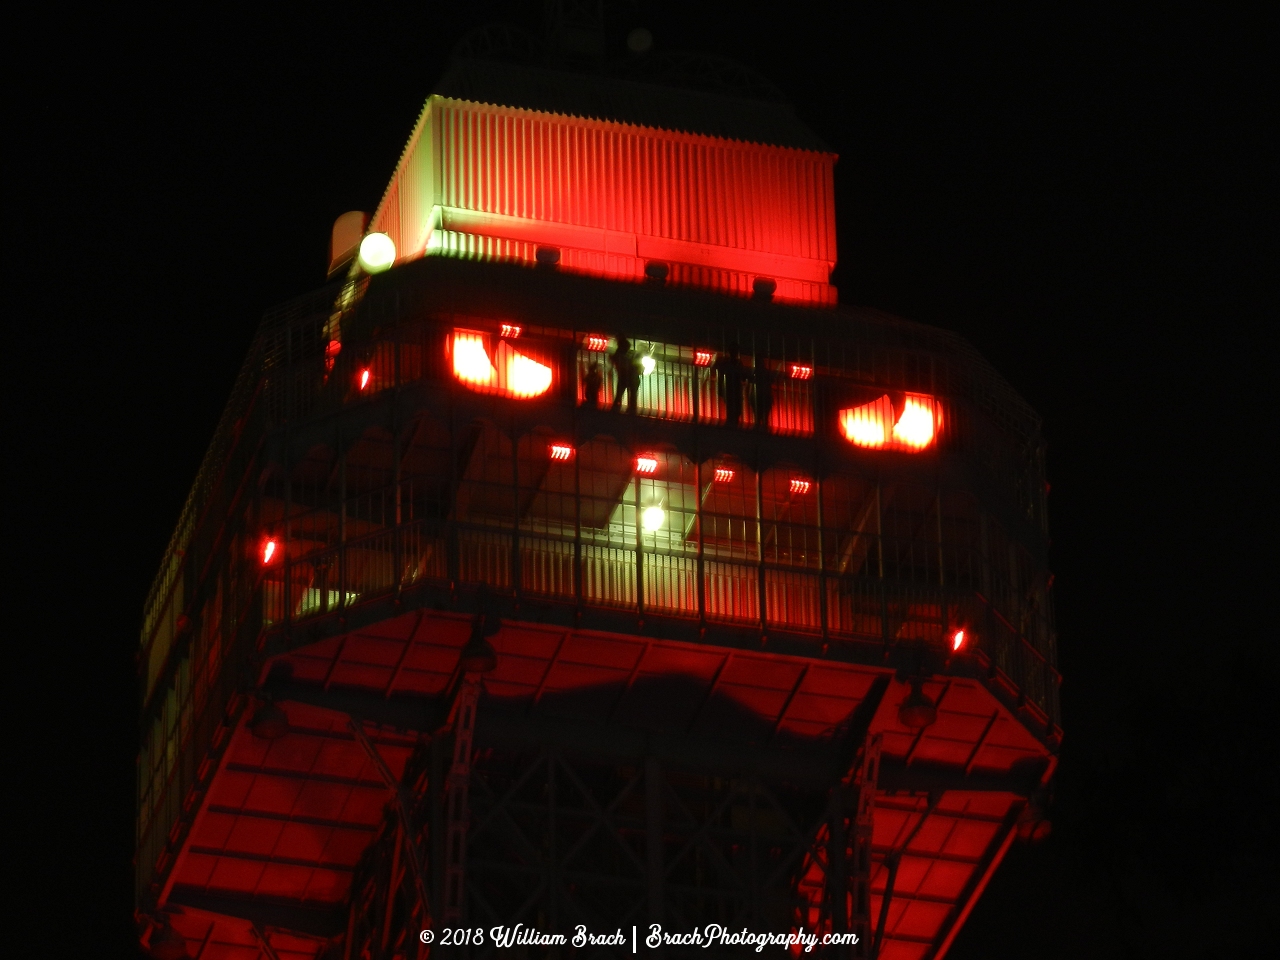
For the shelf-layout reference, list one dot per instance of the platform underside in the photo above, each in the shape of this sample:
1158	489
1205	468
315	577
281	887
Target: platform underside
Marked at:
268	864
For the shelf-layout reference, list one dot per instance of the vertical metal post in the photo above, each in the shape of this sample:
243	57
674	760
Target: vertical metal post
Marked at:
342	525
945	613
553	874
761	579
884	600
397	560
577	525
515	514
451	515
700	521
653	837
822	559
287	472
639	555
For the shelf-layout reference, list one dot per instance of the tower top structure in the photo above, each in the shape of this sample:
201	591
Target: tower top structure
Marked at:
685	169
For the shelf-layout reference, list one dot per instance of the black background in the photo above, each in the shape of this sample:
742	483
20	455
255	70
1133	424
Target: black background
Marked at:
1080	191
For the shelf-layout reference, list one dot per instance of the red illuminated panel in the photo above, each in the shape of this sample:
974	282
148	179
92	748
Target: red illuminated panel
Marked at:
509	371
595	343
875	426
800	371
511	330
800	486
501	188
703	358
723	474
646	464
560	451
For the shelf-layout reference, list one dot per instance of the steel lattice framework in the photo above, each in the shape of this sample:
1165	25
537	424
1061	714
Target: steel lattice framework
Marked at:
589	567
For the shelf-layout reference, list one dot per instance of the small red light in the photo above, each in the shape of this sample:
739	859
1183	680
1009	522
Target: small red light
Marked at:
646	464
800	371
723	474
703	358
800	485
560	451
268	551
510	330
596	343
957	641
333	349
364	378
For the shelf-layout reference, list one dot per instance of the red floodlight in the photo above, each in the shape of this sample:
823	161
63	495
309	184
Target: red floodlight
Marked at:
723	474
268	550
511	330
560	451
957	640
595	343
646	464
364	377
703	358
800	485
876	425
801	371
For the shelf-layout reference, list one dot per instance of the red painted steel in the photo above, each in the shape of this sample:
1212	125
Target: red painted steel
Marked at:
495	181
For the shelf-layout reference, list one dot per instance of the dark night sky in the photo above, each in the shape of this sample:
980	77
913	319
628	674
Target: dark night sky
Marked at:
1079	191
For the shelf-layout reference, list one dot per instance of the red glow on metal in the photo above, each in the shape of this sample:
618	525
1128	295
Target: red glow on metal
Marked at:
364	378
957	640
646	464
703	358
560	451
723	474
874	426
595	343
511	330
800	485
268	551
800	371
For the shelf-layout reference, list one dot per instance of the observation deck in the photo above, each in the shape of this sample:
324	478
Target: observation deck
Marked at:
410	455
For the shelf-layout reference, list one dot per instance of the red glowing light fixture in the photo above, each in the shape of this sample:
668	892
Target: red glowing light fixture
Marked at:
646	464
514	373
875	426
800	485
595	343
511	330
957	640
364	377
703	358
268	551
560	451
723	474
800	371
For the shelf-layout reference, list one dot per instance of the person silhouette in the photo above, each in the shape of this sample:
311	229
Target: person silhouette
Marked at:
729	375
592	381
628	369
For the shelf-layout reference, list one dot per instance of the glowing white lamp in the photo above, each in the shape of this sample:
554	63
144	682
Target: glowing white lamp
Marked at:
652	519
377	253
648	364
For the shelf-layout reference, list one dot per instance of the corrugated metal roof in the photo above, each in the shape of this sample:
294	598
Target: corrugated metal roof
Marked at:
605	97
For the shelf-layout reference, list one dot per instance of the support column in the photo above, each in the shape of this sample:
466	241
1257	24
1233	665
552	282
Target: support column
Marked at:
457	806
